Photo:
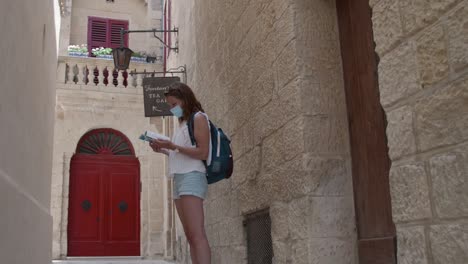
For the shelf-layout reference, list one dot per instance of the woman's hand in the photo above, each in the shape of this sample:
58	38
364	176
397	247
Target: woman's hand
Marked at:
157	148
165	144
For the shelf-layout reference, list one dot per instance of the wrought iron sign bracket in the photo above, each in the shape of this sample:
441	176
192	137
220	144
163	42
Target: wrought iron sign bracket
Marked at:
181	69
154	31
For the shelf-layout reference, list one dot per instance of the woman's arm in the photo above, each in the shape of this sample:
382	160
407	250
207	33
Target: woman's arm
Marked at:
202	137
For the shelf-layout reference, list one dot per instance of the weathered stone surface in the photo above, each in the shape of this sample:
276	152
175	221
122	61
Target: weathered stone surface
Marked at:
284	107
387	25
256	195
236	234
300	252
400	135
410	192
411	245
247	167
298	215
318	38
238	255
450	183
442	117
284	30
432	56
285	144
449	243
281	251
322	94
398	74
418	13
331	217
262	90
335	128
457	30
286	65
279	221
332	251
328	176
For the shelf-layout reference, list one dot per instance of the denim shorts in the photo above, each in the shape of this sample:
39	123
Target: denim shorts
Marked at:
191	183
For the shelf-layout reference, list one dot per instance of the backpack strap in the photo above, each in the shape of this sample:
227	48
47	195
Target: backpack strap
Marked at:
191	129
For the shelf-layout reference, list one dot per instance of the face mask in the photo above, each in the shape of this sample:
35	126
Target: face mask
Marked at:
177	111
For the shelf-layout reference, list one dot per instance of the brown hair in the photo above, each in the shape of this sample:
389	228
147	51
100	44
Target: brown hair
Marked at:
184	93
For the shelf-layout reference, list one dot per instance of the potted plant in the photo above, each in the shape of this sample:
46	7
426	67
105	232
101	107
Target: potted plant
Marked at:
78	50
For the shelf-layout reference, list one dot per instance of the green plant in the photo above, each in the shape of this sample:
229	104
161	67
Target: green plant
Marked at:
101	51
83	48
140	54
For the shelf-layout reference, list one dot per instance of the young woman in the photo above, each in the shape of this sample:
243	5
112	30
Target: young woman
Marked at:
187	168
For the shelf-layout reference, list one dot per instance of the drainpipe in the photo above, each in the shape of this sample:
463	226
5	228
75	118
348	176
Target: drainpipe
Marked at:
165	37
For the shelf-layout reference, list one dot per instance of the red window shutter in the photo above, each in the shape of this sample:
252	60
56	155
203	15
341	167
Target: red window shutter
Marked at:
97	33
103	32
114	33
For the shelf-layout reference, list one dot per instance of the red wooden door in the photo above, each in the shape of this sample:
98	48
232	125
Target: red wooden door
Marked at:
104	204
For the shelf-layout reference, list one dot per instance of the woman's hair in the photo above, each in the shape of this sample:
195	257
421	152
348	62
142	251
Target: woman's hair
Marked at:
183	92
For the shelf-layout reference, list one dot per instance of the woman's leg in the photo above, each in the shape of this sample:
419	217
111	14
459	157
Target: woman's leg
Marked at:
192	212
183	220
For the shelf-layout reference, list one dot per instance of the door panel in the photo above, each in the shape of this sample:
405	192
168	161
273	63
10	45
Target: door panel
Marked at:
104	206
124	205
85	211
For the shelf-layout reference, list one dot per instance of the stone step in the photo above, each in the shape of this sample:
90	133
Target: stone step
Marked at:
117	260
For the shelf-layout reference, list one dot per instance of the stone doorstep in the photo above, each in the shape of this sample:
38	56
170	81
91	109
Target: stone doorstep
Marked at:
110	260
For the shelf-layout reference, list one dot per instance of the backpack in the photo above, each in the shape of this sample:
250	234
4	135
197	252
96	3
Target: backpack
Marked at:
222	163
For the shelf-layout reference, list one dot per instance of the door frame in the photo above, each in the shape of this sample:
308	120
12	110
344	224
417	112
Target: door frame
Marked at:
106	150
78	159
367	130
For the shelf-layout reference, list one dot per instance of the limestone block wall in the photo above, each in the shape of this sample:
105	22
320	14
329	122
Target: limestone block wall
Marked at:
79	111
423	46
27	99
269	73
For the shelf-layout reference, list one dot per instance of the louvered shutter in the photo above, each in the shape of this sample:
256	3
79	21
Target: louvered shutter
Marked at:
97	33
114	36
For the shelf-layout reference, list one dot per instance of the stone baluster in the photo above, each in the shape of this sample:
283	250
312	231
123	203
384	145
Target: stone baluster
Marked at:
120	79
100	77
69	73
139	79
75	73
81	73
131	81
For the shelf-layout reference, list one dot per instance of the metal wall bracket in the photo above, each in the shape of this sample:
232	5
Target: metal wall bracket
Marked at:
154	31
172	71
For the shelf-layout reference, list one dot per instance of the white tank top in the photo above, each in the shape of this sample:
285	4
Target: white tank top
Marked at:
180	163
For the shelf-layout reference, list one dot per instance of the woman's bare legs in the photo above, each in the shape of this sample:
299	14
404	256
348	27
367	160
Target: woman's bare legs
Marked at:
182	220
190	210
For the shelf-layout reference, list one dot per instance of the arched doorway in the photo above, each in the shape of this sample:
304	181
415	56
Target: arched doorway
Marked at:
104	200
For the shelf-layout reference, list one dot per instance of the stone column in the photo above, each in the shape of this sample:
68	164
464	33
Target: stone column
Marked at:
65	193
64	41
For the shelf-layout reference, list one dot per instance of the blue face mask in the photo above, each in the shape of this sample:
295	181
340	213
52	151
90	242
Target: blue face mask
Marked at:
177	111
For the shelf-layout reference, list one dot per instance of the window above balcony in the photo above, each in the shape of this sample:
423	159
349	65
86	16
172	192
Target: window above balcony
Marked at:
105	32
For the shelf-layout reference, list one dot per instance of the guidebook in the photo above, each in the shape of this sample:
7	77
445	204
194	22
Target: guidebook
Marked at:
149	135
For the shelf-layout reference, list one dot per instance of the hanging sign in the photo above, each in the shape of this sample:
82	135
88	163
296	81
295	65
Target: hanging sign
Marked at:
153	95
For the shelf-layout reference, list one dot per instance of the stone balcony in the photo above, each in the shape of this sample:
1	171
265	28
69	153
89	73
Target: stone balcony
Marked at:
86	73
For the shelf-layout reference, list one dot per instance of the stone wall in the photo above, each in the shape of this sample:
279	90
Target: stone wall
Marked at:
27	100
269	73
423	46
82	108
